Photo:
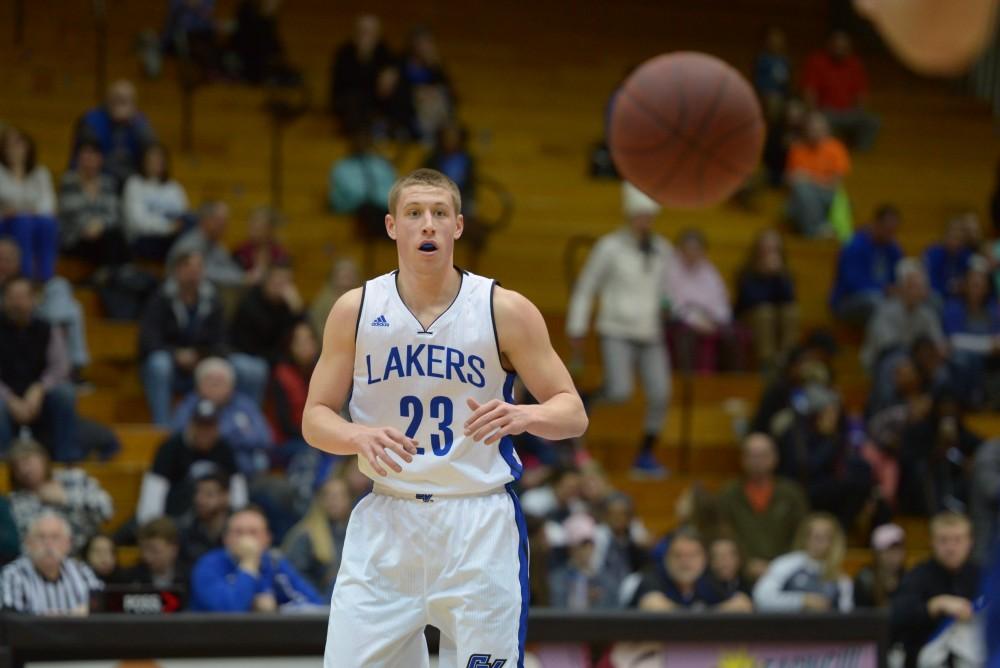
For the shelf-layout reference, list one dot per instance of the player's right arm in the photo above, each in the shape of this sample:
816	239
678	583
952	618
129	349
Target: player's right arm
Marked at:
322	426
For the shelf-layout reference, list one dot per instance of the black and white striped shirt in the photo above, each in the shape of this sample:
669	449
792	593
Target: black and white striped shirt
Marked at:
24	589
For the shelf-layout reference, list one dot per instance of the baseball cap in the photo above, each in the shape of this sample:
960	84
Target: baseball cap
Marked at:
205	411
886	536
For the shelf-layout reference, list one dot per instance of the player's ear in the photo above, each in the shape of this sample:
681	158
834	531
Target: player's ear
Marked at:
390	226
459	226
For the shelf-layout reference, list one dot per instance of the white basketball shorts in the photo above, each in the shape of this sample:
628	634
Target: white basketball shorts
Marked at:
457	563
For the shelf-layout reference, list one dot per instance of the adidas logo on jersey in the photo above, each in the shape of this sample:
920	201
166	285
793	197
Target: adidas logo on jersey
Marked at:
380	322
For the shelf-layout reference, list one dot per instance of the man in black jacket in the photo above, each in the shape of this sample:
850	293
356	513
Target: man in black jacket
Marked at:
266	314
940	589
182	323
34	370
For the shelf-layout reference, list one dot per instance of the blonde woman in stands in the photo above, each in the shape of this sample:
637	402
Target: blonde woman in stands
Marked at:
811	578
314	545
626	271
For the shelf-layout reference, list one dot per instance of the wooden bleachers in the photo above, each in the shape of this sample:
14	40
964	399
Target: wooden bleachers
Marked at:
533	84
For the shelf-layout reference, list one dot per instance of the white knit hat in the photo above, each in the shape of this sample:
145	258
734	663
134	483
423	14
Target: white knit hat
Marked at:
637	203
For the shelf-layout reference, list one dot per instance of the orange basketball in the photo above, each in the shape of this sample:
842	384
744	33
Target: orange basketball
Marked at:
686	129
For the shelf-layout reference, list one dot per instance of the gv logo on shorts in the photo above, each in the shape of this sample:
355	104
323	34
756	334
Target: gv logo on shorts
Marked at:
483	661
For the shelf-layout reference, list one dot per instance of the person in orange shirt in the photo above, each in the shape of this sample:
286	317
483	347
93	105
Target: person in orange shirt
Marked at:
816	165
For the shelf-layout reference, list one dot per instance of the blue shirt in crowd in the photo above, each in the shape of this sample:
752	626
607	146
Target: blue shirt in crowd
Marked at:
218	584
241	424
945	269
772	74
864	266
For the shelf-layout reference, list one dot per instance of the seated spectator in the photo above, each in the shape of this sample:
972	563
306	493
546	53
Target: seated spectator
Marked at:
679	582
971	321
451	157
201	527
815	451
877	583
772	72
354	75
187	455
783	129
815	168
256	42
938	591
28	205
896	325
154	206
90	224
181	325
266	314
699	305
866	268
34	371
810	578
424	77
762	511
765	298
621	542
810	362
360	183
56	305
314	546
948	260
262	249
206	239
246	575
36	488
46	580
580	583
99	553
240	421
159	547
835	81
118	130
984	499
725	567
290	385
343	277
10	541
558	499
935	454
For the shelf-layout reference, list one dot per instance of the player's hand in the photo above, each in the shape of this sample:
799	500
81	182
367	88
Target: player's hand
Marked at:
373	442
495	419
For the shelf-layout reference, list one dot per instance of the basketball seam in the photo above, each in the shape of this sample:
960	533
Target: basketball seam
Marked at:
665	182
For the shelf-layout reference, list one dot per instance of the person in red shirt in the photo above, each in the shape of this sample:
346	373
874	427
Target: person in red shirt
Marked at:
835	81
814	169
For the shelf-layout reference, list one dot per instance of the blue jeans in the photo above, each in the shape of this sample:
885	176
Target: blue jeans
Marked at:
808	207
858	308
161	380
38	238
59	308
55	426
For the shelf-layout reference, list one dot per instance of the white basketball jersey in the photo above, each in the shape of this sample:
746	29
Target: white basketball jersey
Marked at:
417	380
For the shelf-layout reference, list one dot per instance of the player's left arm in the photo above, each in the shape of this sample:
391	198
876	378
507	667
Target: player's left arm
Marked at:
525	346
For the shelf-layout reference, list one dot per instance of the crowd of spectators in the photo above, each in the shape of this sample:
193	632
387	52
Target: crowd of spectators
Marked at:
237	514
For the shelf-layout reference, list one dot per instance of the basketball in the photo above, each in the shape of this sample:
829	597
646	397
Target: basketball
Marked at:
686	128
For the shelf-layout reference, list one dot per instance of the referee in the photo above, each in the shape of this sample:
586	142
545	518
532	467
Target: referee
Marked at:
46	581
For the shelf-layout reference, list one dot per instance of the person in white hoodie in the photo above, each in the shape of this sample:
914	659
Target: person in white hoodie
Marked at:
154	206
810	578
626	271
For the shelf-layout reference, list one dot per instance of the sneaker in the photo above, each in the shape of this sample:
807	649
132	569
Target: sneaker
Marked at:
647	467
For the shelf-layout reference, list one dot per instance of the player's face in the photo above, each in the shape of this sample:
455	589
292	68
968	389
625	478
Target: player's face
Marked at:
425	226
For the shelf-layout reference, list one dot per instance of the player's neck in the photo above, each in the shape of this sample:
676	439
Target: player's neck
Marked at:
422	290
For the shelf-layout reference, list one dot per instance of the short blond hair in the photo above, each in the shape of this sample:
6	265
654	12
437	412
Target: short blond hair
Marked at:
946	519
431	178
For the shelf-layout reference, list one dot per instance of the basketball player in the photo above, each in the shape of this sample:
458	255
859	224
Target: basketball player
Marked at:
432	352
